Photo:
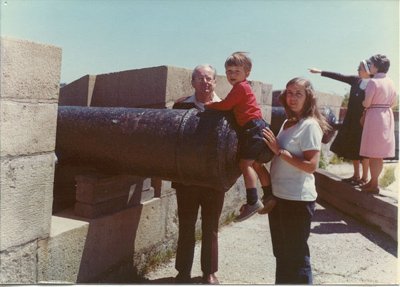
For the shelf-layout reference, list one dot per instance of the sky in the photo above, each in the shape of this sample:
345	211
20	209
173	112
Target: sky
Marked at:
283	37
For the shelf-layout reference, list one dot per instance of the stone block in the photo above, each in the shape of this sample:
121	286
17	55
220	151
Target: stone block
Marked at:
18	265
266	94
152	216
267	113
78	93
155	87
379	211
60	255
29	70
170	208
98	195
133	88
27	128
26	198
178	83
110	240
93	189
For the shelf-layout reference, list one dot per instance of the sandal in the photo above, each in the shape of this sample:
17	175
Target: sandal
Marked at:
351	180
370	190
361	182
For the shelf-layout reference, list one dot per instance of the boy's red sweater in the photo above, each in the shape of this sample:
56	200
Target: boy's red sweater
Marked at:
242	101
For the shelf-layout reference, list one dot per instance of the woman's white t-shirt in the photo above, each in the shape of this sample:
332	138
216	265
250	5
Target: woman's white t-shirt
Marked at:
289	182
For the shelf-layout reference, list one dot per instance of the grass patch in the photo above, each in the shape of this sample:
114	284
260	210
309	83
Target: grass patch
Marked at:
156	260
323	161
336	160
388	176
229	218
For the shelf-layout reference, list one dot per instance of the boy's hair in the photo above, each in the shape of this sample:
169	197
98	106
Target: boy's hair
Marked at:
239	59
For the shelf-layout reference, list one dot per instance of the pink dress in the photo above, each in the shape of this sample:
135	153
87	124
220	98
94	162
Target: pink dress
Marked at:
378	139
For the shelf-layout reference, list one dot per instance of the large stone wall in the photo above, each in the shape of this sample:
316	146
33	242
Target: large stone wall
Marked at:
30	76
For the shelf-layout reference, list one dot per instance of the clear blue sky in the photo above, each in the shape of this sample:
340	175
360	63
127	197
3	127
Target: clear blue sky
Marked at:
284	38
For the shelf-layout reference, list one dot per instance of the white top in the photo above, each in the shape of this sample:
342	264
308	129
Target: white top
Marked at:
200	105
289	182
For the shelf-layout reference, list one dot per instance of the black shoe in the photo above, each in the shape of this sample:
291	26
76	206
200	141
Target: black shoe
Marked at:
183	278
210	279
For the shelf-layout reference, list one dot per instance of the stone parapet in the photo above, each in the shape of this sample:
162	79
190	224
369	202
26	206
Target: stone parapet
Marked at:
379	211
154	87
29	88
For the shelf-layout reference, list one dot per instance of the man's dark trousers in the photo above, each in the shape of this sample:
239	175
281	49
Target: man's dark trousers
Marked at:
189	199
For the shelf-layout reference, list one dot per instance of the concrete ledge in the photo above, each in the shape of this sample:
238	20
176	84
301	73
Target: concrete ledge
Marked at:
59	256
377	210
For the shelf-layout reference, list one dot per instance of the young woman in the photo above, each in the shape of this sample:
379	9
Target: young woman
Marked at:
297	150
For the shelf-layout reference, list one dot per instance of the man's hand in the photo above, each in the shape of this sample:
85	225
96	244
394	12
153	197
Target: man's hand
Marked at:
181	99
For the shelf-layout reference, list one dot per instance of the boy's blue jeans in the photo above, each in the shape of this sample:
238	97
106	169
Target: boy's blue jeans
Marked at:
290	223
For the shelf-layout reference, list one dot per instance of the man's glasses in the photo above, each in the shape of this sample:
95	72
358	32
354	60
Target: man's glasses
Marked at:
203	79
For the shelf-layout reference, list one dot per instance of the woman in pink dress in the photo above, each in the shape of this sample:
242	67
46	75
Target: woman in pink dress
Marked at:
378	139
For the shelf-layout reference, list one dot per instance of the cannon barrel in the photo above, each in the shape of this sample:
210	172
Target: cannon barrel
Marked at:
185	146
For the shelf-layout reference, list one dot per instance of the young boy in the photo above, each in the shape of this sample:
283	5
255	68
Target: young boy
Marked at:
242	101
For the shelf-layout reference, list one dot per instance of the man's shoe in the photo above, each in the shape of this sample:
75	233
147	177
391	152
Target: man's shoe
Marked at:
248	210
210	279
183	278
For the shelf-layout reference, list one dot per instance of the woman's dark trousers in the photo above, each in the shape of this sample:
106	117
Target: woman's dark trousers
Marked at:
290	223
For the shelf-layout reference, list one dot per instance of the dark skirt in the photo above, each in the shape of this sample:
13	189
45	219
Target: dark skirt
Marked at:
348	140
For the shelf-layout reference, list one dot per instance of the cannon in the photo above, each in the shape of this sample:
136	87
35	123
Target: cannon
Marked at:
185	146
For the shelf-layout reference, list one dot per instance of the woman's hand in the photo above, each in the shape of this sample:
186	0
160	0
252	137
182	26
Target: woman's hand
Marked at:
270	140
315	70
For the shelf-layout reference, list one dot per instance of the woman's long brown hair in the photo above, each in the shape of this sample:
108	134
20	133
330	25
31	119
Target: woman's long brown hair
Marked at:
310	108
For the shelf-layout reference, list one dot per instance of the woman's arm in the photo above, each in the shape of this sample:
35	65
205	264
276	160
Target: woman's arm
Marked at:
307	164
369	94
336	76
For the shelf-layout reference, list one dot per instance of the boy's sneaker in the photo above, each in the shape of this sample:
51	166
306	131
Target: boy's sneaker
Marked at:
248	210
269	203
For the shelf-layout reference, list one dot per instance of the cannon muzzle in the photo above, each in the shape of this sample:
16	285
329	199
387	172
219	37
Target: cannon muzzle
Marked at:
185	146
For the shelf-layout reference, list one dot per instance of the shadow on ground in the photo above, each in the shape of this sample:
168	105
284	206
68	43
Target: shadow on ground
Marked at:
338	222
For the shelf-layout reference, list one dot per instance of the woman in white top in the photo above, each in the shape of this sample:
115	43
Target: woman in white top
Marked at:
297	149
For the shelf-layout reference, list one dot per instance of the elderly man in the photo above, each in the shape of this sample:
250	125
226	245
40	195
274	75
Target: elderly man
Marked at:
190	198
